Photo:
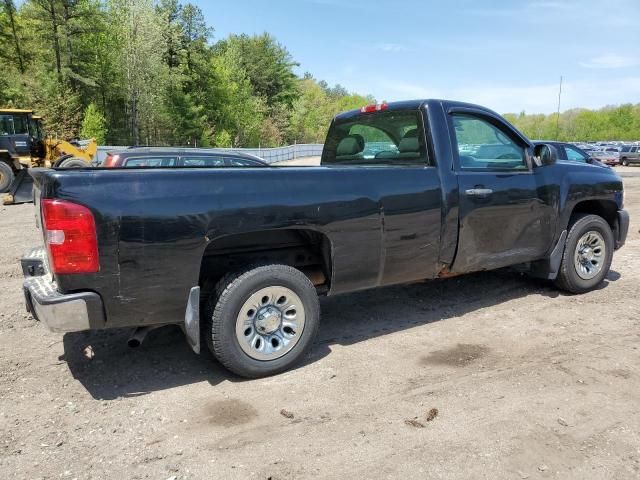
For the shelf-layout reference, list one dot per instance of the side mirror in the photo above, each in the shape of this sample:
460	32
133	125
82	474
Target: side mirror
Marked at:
545	154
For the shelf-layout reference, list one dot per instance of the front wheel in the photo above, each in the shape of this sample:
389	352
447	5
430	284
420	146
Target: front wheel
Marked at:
73	162
6	176
263	320
587	254
625	162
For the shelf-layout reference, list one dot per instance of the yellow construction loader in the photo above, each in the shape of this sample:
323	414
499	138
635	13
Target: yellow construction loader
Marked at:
24	145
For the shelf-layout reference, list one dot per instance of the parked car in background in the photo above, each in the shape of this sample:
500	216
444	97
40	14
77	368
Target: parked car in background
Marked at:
609	156
585	147
570	152
179	157
630	154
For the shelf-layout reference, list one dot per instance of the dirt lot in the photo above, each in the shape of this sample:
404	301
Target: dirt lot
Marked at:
487	376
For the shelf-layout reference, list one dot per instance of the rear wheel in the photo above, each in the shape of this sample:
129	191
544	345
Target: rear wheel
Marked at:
6	177
73	162
263	320
587	255
625	162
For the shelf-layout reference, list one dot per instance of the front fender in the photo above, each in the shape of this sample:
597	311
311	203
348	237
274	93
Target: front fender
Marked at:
595	185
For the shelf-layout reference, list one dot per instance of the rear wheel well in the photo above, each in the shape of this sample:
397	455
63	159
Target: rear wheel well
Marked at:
304	249
607	209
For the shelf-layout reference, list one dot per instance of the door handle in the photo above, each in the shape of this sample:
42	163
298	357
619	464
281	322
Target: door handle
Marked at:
478	192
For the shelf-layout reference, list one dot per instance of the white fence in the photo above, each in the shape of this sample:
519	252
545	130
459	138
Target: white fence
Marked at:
270	155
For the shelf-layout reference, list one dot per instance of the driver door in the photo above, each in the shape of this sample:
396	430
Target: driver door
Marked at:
502	219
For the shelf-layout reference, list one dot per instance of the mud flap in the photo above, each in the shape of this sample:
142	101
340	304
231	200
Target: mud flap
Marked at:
21	191
192	320
549	267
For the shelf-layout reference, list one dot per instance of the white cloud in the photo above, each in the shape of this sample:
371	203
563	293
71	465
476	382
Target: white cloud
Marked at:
391	47
610	61
491	12
551	5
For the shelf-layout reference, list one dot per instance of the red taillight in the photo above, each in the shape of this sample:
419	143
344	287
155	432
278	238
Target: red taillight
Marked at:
111	160
70	235
376	107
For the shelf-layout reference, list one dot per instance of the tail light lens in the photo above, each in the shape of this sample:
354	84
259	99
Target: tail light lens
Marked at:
110	161
70	235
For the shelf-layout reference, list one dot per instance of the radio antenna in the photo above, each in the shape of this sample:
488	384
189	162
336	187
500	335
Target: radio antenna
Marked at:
558	112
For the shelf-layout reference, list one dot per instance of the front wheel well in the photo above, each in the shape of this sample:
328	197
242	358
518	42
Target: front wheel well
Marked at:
607	209
307	250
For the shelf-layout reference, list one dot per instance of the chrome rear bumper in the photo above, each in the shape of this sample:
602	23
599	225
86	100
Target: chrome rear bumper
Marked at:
60	312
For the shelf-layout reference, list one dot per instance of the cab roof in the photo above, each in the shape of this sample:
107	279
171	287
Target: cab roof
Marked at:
412	105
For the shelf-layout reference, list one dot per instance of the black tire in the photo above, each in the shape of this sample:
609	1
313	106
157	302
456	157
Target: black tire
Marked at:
625	162
73	163
6	177
568	277
223	308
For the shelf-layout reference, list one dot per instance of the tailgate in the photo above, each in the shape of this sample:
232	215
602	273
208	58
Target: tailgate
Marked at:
37	176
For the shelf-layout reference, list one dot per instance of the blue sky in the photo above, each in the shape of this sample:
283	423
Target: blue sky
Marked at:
507	55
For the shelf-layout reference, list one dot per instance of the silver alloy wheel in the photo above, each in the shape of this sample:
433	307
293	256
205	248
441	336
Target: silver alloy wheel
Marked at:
590	255
270	323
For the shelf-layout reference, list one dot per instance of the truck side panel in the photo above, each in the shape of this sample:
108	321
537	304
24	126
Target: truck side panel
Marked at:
154	226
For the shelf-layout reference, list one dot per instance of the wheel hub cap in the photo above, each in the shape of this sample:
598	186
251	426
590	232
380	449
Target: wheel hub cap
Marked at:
587	254
270	323
590	255
268	320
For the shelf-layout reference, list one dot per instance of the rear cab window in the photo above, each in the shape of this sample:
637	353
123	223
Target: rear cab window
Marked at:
385	138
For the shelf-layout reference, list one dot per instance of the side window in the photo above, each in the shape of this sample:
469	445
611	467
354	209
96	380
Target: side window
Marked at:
202	161
150	162
20	124
574	155
240	162
6	125
481	145
33	128
377	139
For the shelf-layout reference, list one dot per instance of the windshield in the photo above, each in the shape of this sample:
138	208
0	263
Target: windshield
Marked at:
381	138
13	125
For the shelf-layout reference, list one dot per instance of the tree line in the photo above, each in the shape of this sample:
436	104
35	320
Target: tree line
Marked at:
145	72
621	122
150	72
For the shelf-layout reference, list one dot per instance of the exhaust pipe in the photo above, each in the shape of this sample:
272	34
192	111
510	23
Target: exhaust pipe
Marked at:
139	334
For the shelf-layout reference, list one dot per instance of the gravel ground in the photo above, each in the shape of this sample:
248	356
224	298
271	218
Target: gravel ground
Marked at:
491	375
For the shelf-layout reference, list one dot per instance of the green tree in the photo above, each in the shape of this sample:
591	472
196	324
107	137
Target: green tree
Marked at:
138	28
268	65
10	35
94	124
238	112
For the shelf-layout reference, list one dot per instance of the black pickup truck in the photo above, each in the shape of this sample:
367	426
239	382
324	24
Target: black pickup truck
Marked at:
405	191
